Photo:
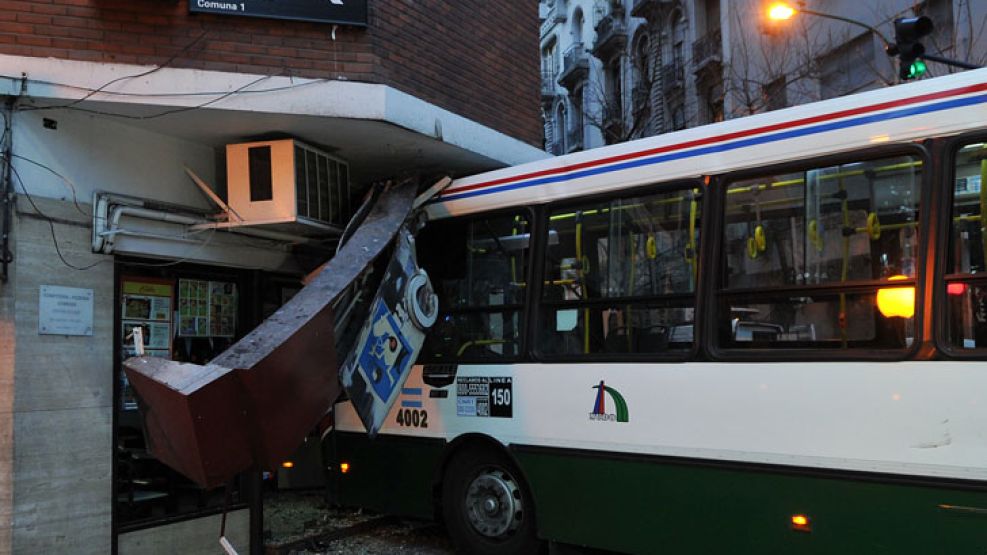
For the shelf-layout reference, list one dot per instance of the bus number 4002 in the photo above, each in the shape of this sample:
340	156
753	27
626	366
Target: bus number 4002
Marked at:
413	418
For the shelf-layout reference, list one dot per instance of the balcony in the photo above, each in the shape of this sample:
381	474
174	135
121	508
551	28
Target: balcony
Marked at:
575	67
641	97
613	121
552	18
549	86
707	52
574	139
611	35
649	8
672	77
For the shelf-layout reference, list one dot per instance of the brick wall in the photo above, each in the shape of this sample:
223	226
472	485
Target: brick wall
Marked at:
480	57
473	57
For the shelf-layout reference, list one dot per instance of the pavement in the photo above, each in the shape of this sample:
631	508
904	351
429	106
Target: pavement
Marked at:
300	523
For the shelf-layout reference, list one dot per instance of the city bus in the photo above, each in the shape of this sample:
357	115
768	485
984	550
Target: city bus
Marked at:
763	335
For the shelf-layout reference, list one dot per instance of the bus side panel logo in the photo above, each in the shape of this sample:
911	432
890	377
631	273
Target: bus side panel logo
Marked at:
600	413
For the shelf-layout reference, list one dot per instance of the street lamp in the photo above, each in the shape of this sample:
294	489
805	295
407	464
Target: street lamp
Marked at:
781	11
911	53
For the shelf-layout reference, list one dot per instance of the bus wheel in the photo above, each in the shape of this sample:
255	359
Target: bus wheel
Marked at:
486	507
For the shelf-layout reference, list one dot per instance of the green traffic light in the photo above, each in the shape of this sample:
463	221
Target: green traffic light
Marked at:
917	69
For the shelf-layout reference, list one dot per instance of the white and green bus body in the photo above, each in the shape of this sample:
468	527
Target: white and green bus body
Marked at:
811	437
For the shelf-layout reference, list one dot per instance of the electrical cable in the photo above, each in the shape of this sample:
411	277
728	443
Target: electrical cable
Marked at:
66	180
186	258
159	67
164	94
58	251
51	225
3	137
171	111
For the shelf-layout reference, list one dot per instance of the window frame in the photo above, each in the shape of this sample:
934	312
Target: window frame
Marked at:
538	308
525	306
716	263
947	152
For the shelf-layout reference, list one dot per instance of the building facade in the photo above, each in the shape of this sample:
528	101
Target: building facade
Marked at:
614	70
118	212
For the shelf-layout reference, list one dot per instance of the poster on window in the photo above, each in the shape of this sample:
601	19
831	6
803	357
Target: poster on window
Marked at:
147	303
157	335
206	308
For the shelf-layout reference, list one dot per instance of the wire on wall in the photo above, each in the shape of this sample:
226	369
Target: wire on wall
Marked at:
50	222
67	181
99	89
228	94
177	94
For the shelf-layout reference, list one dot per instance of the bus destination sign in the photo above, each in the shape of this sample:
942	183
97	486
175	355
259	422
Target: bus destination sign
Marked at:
343	12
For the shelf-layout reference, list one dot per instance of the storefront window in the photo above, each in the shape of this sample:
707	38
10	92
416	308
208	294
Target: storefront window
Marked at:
185	313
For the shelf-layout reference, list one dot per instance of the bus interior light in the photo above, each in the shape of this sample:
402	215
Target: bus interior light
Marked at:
896	301
344	467
801	523
956	289
287	464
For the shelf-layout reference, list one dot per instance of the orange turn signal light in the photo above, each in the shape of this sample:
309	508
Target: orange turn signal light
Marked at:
344	467
287	464
801	523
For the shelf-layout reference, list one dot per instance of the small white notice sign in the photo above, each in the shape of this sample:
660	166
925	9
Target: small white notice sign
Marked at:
65	311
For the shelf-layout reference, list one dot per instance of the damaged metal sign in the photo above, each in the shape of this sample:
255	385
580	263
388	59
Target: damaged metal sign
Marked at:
253	405
389	342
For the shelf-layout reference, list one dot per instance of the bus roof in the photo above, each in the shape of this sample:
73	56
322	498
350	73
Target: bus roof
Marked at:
932	107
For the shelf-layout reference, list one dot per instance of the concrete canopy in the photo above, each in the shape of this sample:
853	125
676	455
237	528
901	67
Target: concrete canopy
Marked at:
380	130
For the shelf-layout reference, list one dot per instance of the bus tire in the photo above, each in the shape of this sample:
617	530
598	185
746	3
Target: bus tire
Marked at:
486	506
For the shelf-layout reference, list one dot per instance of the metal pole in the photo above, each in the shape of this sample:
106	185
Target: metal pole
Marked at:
7	192
255	480
850	21
949	61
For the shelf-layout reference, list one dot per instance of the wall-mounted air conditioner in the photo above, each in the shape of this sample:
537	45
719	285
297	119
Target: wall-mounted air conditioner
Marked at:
288	185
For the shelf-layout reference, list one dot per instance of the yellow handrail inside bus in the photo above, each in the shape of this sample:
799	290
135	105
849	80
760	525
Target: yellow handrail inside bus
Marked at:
513	258
479	343
630	285
581	270
845	208
837	175
691	245
983	205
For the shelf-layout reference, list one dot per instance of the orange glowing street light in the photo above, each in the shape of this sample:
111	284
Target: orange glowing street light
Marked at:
780	11
783	11
911	53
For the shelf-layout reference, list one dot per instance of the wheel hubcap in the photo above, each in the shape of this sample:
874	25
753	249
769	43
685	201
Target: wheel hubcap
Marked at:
493	504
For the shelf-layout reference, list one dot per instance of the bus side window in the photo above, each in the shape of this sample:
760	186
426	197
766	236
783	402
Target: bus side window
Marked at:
620	276
966	266
806	256
478	268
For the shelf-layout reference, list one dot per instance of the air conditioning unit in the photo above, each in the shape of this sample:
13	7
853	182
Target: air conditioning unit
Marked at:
287	185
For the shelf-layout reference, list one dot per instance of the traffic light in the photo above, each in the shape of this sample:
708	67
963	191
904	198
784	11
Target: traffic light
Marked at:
907	33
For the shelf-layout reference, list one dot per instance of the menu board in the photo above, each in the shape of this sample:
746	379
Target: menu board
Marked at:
206	308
